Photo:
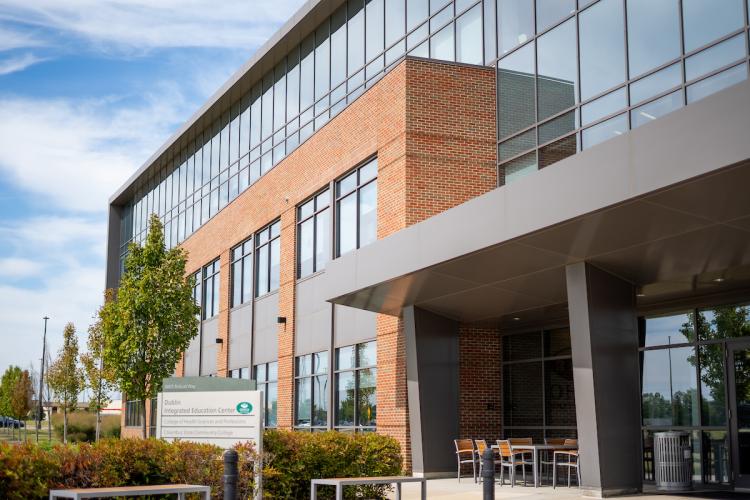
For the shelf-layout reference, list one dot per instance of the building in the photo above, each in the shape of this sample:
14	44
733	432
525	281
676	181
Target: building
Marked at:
439	219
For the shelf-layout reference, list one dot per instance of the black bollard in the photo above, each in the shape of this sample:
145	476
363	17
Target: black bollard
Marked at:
231	475
488	474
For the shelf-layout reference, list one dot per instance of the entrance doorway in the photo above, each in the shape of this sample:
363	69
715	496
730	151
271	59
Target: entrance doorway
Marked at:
739	405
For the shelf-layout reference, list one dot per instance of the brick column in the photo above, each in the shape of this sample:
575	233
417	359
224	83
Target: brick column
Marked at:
480	383
222	350
287	284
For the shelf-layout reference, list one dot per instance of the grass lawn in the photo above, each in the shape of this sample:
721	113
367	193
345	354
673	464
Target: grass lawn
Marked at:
29	434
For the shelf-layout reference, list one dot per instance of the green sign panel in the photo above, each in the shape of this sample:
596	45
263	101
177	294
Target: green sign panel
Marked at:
206	384
244	408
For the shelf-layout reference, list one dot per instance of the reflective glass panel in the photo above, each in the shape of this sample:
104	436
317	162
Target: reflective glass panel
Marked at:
715	57
469	37
320	401
669	392
522	346
602	49
550	11
715	448
724	322
716	83
558	72
345	398
367	400
346	358
559	397
367	354
356	34
557	151
653	34
604	131
713	390
523	394
338	46
368	224
605	105
655	84
515	20
347	224
516	91
275	264
306	247
520	167
322	239
705	22
518	144
666	330
653	110
304	402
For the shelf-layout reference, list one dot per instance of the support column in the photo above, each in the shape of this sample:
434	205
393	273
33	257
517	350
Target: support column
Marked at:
432	380
604	340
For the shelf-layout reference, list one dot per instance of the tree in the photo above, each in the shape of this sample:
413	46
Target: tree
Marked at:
7	389
99	377
151	319
65	377
21	395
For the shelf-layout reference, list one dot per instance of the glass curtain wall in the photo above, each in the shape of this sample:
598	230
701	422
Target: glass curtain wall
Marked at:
311	391
356	399
571	77
683	384
538	396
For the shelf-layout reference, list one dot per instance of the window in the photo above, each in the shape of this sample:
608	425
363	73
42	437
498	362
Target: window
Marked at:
538	395
197	287
267	255
311	391
243	373
211	290
266	376
153	417
242	272
313	234
356	205
133	413
683	385
356	400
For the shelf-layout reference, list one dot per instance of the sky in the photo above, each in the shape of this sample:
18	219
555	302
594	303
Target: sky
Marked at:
89	89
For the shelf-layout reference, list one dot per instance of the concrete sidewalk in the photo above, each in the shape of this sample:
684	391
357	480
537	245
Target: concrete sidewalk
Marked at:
467	489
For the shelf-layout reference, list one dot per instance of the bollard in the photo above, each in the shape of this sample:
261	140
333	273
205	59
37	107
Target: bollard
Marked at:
488	474
231	475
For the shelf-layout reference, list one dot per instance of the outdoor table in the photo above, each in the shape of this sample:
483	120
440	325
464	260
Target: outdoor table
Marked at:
128	491
535	449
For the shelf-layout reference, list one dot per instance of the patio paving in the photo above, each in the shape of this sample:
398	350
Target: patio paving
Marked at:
467	489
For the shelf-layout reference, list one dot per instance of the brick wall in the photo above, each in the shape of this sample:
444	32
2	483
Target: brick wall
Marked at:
480	383
432	127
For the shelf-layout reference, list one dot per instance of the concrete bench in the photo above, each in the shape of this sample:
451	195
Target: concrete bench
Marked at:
340	482
132	491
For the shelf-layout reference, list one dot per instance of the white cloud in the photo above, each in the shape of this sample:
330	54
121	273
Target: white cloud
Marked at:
70	253
14	267
74	154
14	39
147	24
19	63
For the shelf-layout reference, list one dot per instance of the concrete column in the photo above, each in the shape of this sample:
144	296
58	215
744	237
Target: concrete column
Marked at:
432	380
604	338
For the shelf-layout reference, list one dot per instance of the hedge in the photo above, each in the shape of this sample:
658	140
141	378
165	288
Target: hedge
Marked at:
82	426
291	459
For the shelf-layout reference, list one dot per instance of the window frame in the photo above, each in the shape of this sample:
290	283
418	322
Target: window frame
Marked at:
259	245
356	191
317	211
246	250
355	371
314	396
211	276
262	385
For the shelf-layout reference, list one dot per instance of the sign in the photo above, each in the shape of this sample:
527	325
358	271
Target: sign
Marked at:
214	410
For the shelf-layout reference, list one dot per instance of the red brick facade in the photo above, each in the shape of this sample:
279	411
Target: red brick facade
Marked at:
432	127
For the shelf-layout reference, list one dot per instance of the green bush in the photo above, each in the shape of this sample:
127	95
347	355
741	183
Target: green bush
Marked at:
82	426
291	459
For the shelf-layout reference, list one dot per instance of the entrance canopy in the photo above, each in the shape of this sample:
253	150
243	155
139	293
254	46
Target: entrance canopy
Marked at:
665	207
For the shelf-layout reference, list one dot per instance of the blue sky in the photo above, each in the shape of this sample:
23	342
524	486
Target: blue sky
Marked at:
88	90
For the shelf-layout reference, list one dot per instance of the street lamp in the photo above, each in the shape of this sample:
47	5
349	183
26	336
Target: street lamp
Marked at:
41	382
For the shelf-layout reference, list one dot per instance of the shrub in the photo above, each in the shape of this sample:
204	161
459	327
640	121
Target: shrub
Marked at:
28	471
82	426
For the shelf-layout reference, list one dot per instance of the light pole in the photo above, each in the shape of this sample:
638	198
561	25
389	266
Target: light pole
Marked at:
41	382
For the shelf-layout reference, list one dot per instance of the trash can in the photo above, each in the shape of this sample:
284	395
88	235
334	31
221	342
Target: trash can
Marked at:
673	461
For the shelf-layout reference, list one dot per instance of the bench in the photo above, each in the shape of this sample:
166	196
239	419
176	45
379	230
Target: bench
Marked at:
132	491
340	482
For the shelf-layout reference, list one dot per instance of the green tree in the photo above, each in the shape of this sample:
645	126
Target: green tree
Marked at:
65	376
99	376
7	388
151	319
21	395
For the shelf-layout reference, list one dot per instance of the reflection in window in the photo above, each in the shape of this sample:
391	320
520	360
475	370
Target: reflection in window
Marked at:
266	377
711	85
653	34
356	206
603	106
656	83
653	110
715	57
516	92
314	234
355	391
604	131
267	259
311	391
515	20
550	11
558	71
704	22
211	290
602	47
669	392
242	272
469	36
520	167
669	330
713	392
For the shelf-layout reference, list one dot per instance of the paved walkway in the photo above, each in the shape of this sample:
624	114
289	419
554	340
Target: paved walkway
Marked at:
449	489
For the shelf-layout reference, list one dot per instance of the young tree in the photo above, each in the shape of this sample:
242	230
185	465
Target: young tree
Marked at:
151	319
99	378
20	398
65	377
7	388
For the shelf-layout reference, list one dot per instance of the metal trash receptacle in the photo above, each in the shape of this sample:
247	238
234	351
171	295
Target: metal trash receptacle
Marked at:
673	461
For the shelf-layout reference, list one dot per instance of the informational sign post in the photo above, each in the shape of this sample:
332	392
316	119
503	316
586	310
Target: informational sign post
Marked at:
215	410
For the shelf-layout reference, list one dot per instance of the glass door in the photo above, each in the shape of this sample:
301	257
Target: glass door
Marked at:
739	403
